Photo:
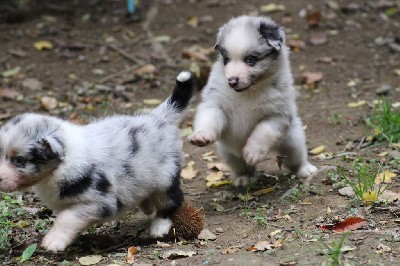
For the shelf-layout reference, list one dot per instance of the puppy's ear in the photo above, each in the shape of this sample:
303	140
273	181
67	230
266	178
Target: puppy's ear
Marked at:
49	148
273	34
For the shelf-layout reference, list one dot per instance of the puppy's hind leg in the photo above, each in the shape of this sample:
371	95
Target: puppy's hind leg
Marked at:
293	147
167	203
242	172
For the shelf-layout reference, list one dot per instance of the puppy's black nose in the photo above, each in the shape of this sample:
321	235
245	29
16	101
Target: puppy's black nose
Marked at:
233	81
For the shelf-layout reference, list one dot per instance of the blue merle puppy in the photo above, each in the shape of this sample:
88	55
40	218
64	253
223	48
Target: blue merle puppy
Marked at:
90	174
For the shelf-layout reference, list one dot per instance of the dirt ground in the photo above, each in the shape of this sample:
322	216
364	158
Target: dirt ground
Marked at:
101	64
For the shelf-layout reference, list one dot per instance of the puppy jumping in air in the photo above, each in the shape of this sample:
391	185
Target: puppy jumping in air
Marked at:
249	103
89	174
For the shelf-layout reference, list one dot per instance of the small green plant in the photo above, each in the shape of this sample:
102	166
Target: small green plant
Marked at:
362	180
385	122
335	250
260	217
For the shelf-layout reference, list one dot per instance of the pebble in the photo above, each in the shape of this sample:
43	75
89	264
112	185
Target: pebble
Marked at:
219	230
383	90
206	234
32	84
48	103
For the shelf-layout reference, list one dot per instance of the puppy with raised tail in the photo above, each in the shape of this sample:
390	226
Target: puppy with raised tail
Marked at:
89	174
249	103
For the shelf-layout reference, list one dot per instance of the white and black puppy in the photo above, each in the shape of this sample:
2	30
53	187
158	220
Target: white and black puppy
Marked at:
249	103
92	173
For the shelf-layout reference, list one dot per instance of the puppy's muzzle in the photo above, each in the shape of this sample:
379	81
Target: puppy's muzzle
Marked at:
233	82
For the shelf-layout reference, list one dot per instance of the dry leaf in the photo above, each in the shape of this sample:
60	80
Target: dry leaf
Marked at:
209	156
176	253
385	177
262	191
230	250
8	93
245	197
90	260
317	150
145	69
215	176
152	101
313	17
195	55
131	254
351	223
272	8
357	104
218	166
43	45
317	38
295	45
187	131
326	60
369	197
188	172
347	191
217	184
193	21
11	72
48	103
390	196
311	79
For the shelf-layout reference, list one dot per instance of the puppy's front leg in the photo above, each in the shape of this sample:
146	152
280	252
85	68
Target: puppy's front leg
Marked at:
67	225
264	136
208	125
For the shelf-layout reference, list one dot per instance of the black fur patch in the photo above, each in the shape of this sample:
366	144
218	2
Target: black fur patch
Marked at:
182	94
77	185
105	211
269	32
175	195
133	134
119	205
102	183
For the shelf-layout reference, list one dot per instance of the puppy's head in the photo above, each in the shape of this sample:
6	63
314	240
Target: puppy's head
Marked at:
31	148
250	48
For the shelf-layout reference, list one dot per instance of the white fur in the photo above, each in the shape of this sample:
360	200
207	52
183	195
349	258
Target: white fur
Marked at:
184	76
89	174
263	117
160	227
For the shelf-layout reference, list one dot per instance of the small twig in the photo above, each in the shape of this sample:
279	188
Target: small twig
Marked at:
117	74
361	143
287	193
125	54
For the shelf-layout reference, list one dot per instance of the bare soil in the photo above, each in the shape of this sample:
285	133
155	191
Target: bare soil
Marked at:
362	56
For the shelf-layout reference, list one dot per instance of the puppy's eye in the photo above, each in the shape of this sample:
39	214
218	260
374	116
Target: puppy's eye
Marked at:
18	161
250	60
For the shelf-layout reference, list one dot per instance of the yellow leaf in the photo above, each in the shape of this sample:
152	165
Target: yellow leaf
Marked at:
272	8
218	184
188	172
246	197
43	45
152	101
215	176
186	132
369	197
217	166
317	150
382	154
193	21
357	104
385	177
262	191
397	71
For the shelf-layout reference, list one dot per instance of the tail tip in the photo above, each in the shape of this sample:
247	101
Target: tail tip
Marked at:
184	76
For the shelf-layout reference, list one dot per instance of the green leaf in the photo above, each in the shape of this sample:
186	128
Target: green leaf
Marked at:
28	252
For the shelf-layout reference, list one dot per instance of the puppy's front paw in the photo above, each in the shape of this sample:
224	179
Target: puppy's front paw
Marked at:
307	170
55	241
160	227
201	138
253	154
